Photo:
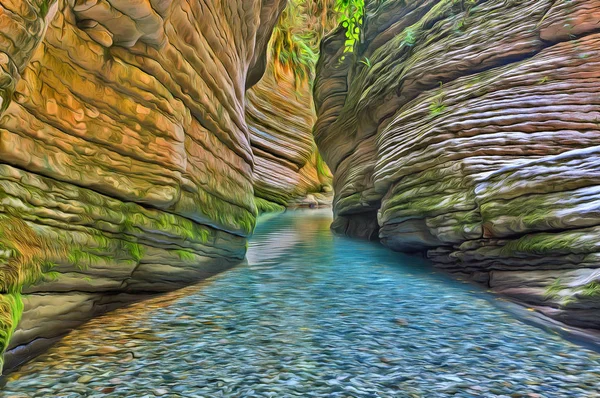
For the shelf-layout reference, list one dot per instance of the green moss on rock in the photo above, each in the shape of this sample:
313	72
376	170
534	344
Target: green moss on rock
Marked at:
551	244
185	255
591	289
11	309
264	206
553	290
27	254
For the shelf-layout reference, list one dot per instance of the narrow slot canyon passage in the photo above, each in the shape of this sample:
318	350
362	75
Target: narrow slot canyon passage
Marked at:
311	198
313	315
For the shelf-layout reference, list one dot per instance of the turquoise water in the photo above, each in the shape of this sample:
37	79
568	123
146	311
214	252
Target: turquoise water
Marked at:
313	315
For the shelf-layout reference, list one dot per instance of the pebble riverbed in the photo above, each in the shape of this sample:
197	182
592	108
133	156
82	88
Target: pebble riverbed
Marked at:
313	315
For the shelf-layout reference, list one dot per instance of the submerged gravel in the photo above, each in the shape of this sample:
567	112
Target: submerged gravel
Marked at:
313	315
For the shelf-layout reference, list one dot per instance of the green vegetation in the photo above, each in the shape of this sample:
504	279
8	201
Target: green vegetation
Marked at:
11	309
410	36
295	41
134	222
322	168
264	206
135	250
50	276
545	243
591	289
25	259
185	255
366	61
82	259
44	8
128	226
350	14
228	215
553	290
27	254
438	106
101	241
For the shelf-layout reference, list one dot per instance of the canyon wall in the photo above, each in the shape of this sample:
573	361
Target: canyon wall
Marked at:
288	170
470	131
126	165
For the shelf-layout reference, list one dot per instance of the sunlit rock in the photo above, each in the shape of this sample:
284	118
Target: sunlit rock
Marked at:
123	140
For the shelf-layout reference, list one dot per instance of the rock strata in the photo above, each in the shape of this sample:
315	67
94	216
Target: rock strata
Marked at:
288	169
123	140
468	130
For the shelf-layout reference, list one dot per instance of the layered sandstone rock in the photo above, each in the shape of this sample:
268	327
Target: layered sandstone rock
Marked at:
123	139
288	169
470	130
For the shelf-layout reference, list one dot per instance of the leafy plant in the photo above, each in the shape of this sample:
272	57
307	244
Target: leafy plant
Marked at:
135	250
293	46
437	107
11	309
351	13
83	259
366	61
295	41
26	258
51	276
28	254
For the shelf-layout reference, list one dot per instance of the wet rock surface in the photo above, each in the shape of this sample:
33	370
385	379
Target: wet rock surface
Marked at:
313	315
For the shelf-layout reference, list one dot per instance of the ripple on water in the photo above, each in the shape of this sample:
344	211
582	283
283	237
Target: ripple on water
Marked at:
312	315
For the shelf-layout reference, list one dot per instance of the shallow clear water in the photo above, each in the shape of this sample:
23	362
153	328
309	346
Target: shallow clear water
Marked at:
313	315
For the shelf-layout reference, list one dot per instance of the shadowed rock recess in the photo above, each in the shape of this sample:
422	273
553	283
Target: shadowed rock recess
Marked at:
470	131
126	163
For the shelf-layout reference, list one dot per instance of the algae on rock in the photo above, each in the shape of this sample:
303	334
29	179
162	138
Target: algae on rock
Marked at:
122	136
467	130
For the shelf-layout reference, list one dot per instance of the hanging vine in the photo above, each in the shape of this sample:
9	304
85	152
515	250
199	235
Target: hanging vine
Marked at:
350	15
295	41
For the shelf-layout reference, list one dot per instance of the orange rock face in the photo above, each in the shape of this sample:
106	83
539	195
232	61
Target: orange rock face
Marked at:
123	135
142	103
469	131
280	117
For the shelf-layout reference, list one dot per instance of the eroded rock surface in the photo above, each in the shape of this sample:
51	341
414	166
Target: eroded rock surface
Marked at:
288	170
469	130
123	137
